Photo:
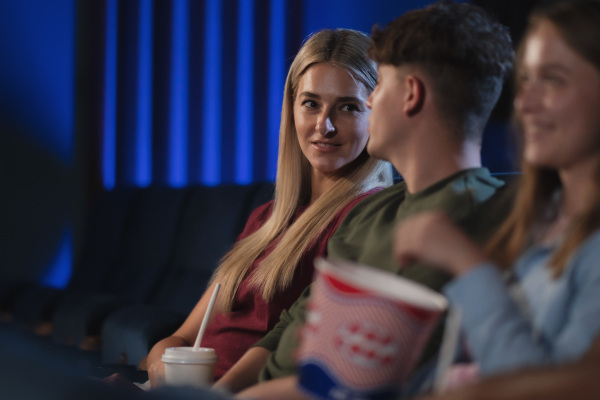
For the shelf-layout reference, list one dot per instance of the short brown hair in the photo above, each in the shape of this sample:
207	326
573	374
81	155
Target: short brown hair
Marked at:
467	55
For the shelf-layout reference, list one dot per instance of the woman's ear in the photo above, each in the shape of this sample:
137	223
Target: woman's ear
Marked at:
414	95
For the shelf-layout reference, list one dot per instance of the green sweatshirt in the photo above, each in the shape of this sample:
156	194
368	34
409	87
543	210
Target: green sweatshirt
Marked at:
365	236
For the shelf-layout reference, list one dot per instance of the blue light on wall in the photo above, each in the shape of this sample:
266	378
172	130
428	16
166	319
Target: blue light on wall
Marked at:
60	268
178	118
109	117
37	72
276	82
355	14
143	165
37	123
211	129
245	93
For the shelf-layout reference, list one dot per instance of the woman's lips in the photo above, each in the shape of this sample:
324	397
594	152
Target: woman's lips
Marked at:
325	147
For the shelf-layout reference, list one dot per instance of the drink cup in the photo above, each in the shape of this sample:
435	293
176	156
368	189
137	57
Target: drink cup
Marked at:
186	367
365	330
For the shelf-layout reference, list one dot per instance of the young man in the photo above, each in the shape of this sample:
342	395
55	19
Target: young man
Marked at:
441	71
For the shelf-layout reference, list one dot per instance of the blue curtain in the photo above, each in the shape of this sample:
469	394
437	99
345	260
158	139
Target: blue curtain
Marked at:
192	90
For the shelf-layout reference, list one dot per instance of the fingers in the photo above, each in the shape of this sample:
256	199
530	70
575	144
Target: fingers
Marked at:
143	365
117	380
156	374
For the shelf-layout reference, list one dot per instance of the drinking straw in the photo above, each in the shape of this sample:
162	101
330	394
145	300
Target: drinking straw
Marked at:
211	304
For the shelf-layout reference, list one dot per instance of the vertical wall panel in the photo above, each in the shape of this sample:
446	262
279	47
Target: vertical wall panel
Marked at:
143	148
260	92
161	90
110	97
277	74
211	128
196	90
60	268
229	27
127	93
178	124
244	137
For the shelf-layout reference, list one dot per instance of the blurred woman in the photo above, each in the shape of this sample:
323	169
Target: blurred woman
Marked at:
533	297
323	170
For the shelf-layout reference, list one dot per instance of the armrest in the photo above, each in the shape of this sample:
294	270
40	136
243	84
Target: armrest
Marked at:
79	318
129	333
33	308
10	288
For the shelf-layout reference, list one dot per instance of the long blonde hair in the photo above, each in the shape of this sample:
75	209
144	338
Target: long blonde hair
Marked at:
578	21
347	49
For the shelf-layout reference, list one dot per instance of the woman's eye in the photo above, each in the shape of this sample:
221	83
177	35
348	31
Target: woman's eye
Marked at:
522	78
349	107
309	104
553	80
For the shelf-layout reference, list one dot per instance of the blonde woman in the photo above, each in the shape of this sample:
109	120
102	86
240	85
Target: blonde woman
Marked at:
533	298
323	171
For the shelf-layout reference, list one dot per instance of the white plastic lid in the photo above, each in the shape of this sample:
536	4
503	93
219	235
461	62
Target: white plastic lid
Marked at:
187	355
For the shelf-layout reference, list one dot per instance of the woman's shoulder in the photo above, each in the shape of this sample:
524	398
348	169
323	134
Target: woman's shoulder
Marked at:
264	210
258	217
589	249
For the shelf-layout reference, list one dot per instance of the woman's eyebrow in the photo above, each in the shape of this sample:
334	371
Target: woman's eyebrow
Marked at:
342	99
309	94
349	99
554	67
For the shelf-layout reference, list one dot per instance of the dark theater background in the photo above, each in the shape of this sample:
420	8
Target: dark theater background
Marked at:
96	94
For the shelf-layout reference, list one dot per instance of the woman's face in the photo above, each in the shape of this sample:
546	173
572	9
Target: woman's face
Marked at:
558	101
331	117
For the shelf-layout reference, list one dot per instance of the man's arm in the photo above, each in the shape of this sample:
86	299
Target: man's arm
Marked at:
275	389
571	381
574	381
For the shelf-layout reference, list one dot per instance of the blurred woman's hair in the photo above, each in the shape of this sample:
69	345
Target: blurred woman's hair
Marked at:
578	22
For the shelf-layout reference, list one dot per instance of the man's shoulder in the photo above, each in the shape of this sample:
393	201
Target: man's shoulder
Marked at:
463	192
478	182
490	205
381	202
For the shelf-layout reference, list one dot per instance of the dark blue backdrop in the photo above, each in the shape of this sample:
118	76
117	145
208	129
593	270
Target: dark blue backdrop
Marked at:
174	92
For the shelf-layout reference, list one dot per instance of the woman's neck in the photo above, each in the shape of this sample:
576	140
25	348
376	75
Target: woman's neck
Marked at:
578	183
319	183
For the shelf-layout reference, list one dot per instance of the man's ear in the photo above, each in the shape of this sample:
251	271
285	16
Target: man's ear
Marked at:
415	95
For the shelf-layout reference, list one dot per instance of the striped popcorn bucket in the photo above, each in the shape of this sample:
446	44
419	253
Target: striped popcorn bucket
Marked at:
365	331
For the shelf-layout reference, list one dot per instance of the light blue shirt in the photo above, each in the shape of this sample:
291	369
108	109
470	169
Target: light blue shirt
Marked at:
538	320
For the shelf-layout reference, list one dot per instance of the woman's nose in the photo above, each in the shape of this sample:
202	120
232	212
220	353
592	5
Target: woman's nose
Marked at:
527	98
325	125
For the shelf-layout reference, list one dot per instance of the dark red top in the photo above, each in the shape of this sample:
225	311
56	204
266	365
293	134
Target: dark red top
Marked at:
251	317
